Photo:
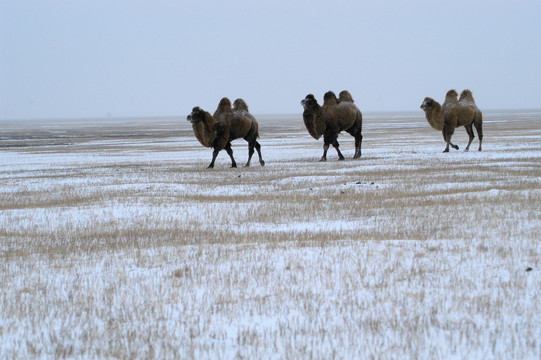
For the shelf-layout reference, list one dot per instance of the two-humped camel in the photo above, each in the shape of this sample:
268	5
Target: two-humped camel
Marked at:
454	113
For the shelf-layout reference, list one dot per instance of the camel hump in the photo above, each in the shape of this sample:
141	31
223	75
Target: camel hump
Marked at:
224	103
240	104
223	106
345	96
467	96
451	96
330	98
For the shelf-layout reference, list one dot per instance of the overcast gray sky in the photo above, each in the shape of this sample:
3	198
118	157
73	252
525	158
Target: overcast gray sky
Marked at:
62	59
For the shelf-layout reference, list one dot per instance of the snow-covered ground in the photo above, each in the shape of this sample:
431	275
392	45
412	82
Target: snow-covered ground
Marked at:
116	241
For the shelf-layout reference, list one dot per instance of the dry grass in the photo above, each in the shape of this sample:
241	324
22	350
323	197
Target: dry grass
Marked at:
117	242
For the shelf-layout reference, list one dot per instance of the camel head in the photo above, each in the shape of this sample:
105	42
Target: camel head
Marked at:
427	103
197	115
345	96
330	98
309	103
240	104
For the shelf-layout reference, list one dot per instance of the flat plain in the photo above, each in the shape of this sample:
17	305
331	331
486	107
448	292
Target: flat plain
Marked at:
117	242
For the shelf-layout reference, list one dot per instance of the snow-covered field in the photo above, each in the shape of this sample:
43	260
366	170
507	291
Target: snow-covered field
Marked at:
117	242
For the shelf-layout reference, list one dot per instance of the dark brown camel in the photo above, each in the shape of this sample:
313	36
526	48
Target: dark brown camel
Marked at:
227	124
330	119
452	114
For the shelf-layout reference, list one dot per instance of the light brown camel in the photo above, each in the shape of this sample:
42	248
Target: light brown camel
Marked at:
227	124
452	114
331	118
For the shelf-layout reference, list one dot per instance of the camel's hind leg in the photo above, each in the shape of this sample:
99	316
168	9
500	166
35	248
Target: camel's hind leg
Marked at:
358	143
478	123
258	148
469	130
250	153
251	146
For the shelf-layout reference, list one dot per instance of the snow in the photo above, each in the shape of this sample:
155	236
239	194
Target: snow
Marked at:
130	247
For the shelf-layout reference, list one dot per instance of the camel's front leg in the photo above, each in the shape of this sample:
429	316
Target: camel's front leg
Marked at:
214	155
336	145
447	132
325	149
230	153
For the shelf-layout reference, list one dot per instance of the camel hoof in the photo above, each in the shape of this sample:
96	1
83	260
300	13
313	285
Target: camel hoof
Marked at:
262	163
341	159
322	159
446	150
234	166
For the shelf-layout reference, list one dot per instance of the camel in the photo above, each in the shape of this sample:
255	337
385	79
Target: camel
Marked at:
227	124
452	114
334	116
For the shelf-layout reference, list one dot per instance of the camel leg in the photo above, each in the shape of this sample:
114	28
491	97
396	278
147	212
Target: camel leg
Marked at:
214	155
250	153
469	130
358	142
479	127
446	139
230	153
325	149
452	145
258	148
447	132
336	145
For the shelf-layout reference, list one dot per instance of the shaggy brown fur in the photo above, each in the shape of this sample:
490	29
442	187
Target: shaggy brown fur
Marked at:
332	118
312	117
466	106
203	126
466	95
240	104
345	96
452	114
217	131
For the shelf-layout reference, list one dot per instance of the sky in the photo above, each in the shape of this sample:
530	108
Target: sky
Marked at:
127	58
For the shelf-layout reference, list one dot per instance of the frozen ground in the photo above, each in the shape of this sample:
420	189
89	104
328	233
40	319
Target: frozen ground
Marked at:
117	242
